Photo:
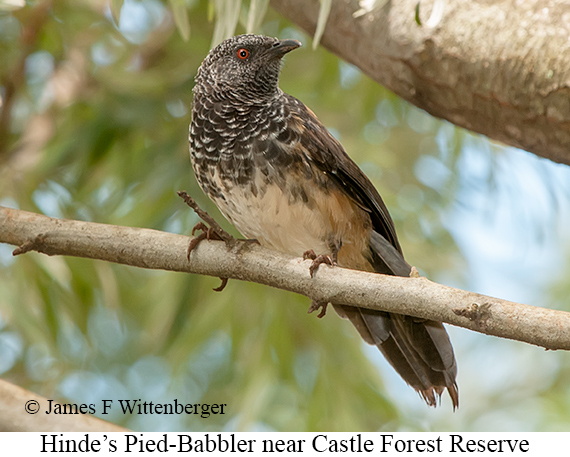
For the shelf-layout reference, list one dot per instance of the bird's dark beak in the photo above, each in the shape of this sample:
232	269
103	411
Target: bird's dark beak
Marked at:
282	47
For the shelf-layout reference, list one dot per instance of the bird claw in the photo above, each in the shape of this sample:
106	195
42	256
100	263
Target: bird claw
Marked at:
317	260
214	226
310	254
208	233
222	286
315	305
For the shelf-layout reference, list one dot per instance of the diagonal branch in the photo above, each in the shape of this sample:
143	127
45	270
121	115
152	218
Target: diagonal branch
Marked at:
418	297
499	68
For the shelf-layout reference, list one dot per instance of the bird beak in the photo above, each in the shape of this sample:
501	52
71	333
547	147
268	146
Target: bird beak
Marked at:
280	48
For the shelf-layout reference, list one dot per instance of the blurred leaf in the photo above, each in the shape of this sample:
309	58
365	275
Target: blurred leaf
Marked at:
417	14
211	10
180	13
257	10
116	6
11	5
324	12
227	17
102	136
435	17
367	6
436	13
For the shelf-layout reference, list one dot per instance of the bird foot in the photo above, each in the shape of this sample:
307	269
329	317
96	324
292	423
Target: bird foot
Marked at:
214	226
315	305
208	233
214	232
222	286
317	260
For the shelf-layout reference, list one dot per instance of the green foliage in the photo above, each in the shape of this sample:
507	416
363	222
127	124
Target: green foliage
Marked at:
98	107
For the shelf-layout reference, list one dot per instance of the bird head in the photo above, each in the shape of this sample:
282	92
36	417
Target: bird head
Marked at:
244	67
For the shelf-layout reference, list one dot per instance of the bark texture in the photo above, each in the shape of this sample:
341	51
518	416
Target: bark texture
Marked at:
500	68
249	262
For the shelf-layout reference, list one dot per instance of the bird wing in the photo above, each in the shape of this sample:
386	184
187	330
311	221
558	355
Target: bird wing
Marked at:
328	154
418	349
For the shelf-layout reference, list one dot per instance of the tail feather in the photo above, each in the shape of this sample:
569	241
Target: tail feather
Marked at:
419	350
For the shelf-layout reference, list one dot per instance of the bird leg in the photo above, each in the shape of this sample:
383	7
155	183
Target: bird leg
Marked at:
214	232
315	305
208	233
222	286
214	226
319	259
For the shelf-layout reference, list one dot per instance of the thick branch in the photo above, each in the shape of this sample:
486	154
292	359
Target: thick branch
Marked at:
15	403
413	296
499	68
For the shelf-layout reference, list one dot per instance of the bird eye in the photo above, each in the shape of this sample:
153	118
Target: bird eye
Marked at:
243	53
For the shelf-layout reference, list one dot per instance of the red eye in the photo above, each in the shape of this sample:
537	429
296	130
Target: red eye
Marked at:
243	53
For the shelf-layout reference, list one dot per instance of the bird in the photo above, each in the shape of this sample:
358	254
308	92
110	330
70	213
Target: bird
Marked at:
281	178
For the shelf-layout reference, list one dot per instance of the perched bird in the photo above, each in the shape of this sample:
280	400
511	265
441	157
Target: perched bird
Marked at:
280	177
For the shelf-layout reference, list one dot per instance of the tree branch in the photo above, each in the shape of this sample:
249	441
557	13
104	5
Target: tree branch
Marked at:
15	403
249	262
497	68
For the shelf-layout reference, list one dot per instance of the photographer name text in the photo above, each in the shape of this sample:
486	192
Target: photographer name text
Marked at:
137	406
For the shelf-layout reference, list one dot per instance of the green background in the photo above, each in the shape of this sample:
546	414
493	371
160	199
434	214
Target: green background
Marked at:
96	129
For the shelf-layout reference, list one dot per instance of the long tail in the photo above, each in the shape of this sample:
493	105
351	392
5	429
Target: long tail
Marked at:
419	350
